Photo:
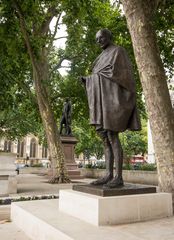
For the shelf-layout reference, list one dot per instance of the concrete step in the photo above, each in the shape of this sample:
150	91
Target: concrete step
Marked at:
5	213
9	231
75	174
42	220
76	177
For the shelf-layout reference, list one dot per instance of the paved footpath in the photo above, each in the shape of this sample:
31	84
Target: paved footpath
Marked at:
28	185
8	231
31	185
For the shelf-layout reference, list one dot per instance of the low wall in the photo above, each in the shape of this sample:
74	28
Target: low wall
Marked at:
133	176
138	176
33	170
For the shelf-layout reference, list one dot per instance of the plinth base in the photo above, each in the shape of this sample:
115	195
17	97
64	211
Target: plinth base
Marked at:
127	189
116	209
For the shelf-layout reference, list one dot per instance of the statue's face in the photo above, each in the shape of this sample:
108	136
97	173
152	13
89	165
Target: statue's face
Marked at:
103	39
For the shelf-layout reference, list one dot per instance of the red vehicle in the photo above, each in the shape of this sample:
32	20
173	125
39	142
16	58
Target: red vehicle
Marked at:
137	160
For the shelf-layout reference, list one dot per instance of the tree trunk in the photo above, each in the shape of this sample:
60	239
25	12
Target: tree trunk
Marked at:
139	15
40	76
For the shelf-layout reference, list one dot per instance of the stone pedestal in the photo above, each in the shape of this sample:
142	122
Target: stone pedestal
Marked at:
69	143
8	181
113	210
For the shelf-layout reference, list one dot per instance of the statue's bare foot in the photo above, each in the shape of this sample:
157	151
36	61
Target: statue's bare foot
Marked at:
115	183
102	181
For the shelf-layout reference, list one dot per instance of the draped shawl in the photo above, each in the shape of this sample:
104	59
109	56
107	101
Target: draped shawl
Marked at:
111	92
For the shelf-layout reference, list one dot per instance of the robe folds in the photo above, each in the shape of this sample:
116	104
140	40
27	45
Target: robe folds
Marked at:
111	92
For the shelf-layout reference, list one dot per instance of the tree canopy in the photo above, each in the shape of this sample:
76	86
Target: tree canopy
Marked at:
19	109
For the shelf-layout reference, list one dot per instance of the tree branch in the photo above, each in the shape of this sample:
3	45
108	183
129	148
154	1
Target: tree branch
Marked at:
58	65
64	67
52	38
24	31
56	25
52	11
60	38
36	67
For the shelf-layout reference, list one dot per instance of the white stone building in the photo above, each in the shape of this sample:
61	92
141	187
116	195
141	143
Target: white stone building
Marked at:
27	148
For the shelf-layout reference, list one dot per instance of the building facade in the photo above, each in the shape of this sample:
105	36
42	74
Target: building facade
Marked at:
27	148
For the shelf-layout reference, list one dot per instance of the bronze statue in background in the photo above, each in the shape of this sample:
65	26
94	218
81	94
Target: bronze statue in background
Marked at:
112	103
65	122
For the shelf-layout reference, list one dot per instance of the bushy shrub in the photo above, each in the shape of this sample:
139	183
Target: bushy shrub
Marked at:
127	166
142	167
89	165
101	165
148	167
37	165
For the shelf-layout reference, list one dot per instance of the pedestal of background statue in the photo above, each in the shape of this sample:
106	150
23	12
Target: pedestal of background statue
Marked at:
8	181
69	143
110	210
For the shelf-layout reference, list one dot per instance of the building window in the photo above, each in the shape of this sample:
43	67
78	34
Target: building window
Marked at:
20	149
44	152
7	146
33	148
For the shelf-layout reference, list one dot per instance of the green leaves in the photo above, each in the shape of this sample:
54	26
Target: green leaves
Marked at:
134	143
83	19
164	26
89	143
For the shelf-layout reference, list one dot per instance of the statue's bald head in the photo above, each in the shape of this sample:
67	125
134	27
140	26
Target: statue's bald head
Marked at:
106	32
104	38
